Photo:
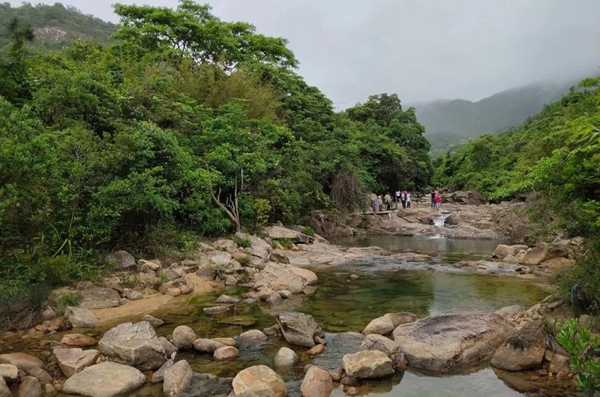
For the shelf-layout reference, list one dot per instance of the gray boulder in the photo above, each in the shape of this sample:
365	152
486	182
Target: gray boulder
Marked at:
379	326
107	379
503	251
159	375
544	252
184	337
121	260
509	312
388	347
298	328
207	345
316	383
280	232
30	387
367	364
74	360
99	298
80	317
177	378
22	361
167	346
285	357
453	341
277	277
524	349
134	344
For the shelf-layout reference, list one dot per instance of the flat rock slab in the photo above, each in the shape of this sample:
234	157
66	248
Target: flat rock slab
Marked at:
99	298
452	342
104	380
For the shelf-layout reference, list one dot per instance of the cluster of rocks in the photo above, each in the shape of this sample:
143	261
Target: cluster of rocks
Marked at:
549	257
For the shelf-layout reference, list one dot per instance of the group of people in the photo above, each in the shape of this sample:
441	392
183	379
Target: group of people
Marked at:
379	204
436	200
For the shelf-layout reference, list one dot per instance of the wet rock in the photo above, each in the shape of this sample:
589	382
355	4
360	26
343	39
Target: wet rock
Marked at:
388	347
74	360
215	310
107	379
40	374
227	299
121	260
9	372
177	379
4	390
316	383
285	357
253	336
134	295
159	375
258	380
134	344
523	350
298	328
184	337
309	276
509	312
367	364
167	346
275	299
277	277
318	349
226	353
22	361
503	251
99	298
207	385
207	345
453	341
225	341
30	387
379	326
154	322
78	340
80	317
559	363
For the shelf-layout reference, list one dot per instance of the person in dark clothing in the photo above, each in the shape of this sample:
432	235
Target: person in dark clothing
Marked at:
432	199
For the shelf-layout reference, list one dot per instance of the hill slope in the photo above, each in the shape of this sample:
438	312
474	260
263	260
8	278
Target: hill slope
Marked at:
55	25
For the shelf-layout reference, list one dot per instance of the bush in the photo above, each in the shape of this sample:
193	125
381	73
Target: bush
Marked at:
243	242
286	243
309	231
70	299
245	260
584	348
21	305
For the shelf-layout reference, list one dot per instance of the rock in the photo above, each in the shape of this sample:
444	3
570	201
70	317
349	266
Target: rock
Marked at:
177	378
510	259
149	280
30	387
524	349
207	272
318	349
253	336
9	372
316	383
285	294
99	298
453	341
258	247
184	337
173	292
280	258
215	310
40	374
227	299
154	322
559	363
275	299
503	251
337	375
543	252
380	326
174	273
225	341
279	232
134	344
367	364
509	312
320	341
121	260
74	360
221	258
78	340
401	318
277	277
186	289
22	361
258	380
231	281
557	264
285	357
226	353
80	317
207	345
309	276
352	391
159	375
298	328
167	346
50	391
388	347
107	379
134	295
4	390
226	245
144	265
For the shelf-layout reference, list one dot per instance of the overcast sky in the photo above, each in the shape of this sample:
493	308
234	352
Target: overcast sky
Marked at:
419	49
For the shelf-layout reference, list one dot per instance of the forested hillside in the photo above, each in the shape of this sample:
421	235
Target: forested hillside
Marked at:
54	25
147	143
450	122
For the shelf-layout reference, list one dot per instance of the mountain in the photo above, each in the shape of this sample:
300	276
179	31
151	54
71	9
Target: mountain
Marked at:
448	122
54	25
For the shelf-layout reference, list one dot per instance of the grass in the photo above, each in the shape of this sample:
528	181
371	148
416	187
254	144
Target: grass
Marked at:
70	299
243	242
309	231
286	243
245	260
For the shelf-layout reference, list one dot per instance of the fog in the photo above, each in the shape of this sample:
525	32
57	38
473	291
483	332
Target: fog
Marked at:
421	50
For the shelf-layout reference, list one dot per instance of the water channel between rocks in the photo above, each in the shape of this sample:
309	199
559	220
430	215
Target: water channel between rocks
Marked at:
342	303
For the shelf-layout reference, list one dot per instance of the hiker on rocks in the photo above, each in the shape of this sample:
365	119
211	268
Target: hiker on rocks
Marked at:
380	203
397	198
375	204
408	199
403	198
433	193
388	201
438	201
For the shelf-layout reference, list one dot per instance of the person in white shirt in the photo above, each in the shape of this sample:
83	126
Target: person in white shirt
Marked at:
407	199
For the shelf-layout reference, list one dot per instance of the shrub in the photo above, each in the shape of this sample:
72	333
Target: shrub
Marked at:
309	231
70	299
243	242
285	243
21	305
245	260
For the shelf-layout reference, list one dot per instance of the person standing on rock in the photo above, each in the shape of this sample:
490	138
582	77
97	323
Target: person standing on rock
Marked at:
397	198
403	198
438	201
388	201
380	203
432	199
408	199
375	204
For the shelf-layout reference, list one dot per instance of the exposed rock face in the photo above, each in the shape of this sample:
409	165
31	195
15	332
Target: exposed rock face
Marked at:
30	387
277	277
258	380
451	342
285	357
80	317
177	379
184	337
524	349
258	247
78	340
543	252
279	232
221	258
74	360
367	364
99	298
316	383
557	264
22	361
121	259
298	328
387	346
134	344
107	379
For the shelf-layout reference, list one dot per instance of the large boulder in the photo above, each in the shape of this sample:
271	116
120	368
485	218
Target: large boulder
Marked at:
316	383
388	347
22	361
380	326
177	378
99	298
80	317
285	357
309	276
509	312
258	380
226	353
543	252
503	251
400	318
258	247
277	277
184	337
298	328
74	360
107	379
453	341
121	260
280	232
367	364
30	387
134	344
221	258
524	349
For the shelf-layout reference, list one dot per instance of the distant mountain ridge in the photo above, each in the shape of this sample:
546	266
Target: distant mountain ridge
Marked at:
448	122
